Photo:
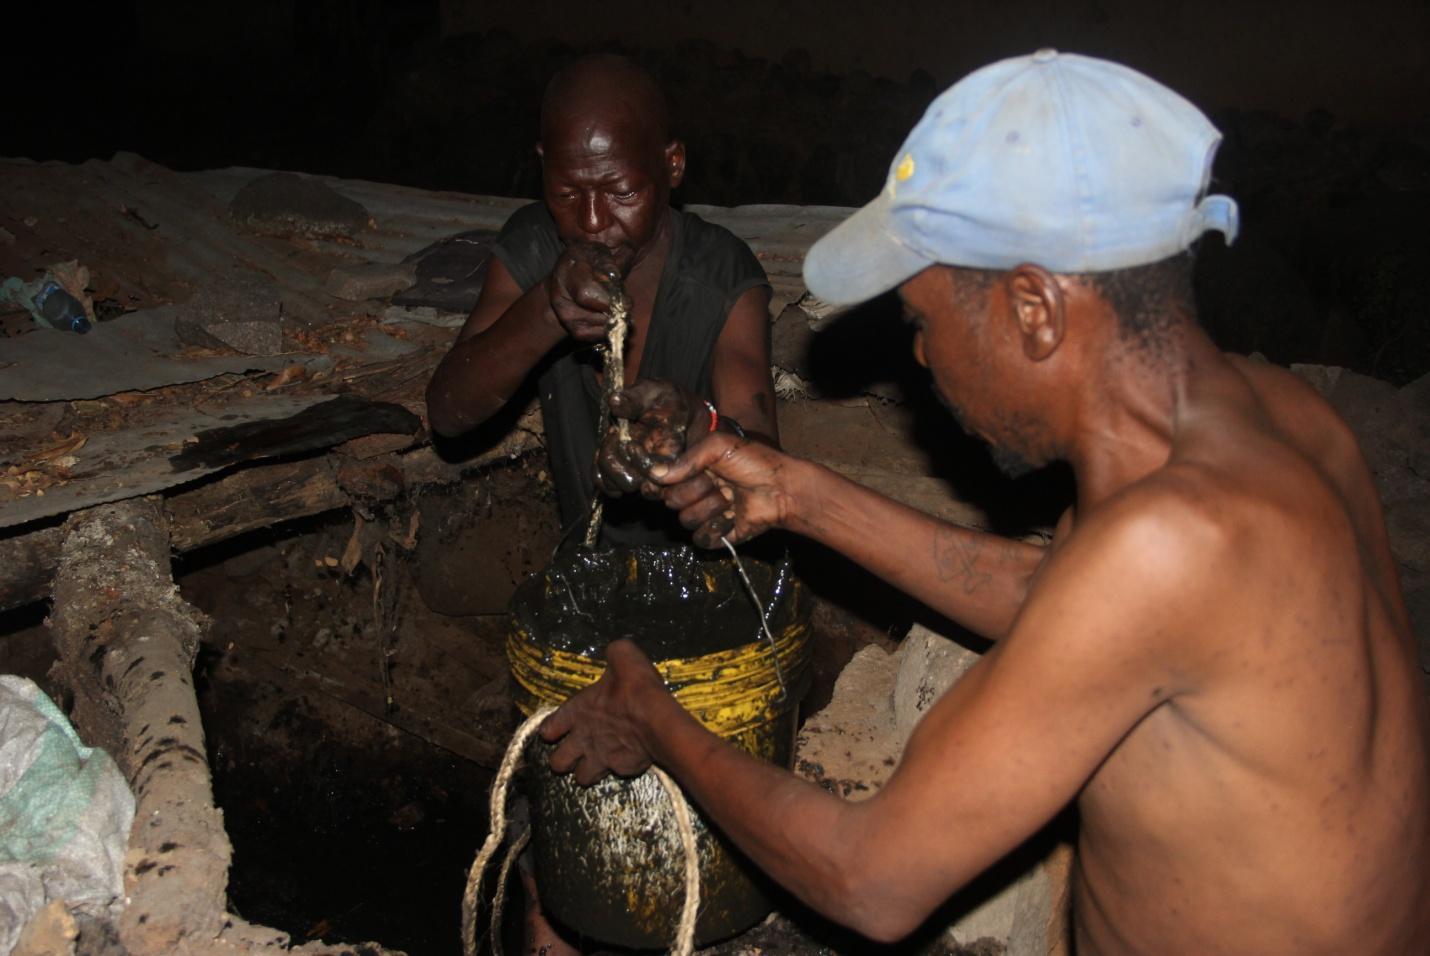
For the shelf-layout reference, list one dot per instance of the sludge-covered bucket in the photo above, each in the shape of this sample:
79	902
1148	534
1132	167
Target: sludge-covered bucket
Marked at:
608	858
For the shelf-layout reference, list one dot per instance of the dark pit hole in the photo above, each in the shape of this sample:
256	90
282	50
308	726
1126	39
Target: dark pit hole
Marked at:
345	826
334	838
27	650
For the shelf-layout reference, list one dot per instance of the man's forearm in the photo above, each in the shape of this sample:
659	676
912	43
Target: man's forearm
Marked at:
483	370
973	577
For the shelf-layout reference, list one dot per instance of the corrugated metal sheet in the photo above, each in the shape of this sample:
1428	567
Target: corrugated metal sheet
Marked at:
105	213
409	219
153	235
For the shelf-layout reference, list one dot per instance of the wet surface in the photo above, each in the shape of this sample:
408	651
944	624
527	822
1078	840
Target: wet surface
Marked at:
608	855
672	603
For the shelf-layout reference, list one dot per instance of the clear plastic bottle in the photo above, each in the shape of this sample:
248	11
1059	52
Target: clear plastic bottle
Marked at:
59	310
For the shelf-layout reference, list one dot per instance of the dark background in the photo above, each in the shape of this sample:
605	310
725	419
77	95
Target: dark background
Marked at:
1325	107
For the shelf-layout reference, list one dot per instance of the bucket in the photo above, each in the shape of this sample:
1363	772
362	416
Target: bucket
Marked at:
608	858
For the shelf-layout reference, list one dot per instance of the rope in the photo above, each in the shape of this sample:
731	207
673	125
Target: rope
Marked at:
471	899
616	328
512	853
617	324
471	896
615	374
685	932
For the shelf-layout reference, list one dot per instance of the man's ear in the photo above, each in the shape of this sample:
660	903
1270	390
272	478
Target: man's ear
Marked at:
1040	309
675	162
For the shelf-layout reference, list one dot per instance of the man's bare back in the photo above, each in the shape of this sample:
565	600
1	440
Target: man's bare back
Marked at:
1257	813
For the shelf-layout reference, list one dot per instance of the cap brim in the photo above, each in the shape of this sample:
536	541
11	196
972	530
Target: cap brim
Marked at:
860	258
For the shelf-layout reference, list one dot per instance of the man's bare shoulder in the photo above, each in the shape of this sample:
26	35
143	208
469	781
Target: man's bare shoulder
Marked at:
1182	516
1150	559
1199	552
1304	419
1276	442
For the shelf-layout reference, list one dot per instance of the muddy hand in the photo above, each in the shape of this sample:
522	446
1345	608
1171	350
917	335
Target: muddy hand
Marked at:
664	420
751	479
602	729
580	287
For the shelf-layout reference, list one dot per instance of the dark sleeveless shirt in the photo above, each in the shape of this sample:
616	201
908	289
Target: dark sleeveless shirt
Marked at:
707	270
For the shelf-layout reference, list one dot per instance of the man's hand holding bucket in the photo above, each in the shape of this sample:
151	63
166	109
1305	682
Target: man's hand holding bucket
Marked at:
607	727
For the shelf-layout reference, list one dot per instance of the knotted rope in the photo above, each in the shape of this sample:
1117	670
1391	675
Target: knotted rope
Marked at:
617	325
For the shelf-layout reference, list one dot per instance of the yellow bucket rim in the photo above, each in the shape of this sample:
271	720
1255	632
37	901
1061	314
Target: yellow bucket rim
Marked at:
729	691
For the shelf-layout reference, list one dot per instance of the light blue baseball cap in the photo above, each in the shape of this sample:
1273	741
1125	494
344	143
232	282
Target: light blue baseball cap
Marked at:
1070	162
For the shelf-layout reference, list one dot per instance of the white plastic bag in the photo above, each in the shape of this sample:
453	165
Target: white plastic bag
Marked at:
65	813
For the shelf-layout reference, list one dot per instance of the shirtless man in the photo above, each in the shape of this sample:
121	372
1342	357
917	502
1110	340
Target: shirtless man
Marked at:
700	301
1213	658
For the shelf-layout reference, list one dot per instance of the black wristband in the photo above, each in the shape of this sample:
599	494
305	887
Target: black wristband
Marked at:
734	426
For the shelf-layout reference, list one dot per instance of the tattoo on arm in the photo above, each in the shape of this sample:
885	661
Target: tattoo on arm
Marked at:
956	559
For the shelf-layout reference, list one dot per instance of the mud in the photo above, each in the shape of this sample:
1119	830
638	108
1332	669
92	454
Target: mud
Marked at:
672	603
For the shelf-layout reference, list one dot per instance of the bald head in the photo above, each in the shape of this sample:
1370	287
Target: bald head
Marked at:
609	91
607	162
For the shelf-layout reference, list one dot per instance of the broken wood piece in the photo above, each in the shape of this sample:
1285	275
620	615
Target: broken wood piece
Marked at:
127	642
370	446
316	427
69	445
258	497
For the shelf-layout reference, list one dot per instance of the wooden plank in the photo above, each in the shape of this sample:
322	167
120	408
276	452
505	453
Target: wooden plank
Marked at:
259	496
254	498
172	446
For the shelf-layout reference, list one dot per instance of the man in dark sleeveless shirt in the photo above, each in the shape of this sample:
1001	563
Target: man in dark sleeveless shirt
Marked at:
699	337
699	321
